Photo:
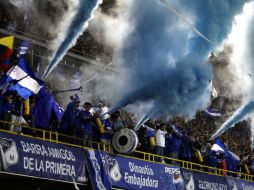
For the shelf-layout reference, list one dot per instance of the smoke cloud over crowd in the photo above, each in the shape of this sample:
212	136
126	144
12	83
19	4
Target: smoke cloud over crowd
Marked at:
160	51
166	61
242	59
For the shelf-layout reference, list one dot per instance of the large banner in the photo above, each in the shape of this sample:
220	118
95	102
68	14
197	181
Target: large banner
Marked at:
97	173
131	173
197	180
238	184
38	158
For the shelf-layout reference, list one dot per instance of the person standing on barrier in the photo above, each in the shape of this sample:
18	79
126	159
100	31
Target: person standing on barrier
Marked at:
87	124
7	109
118	123
106	137
17	116
68	125
186	147
102	110
211	160
143	140
160	141
174	146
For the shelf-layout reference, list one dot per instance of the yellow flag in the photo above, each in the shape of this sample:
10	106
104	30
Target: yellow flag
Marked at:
7	41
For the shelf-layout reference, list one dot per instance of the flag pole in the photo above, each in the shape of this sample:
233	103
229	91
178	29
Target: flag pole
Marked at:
70	90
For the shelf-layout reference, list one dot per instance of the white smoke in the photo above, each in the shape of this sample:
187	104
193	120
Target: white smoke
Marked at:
110	30
241	66
112	27
48	18
64	24
240	59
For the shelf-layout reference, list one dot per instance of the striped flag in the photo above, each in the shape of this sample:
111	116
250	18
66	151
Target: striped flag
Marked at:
212	113
6	49
22	80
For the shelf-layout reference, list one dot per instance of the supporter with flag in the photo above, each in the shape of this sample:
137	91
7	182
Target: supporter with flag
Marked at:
6	50
47	107
69	120
231	159
210	158
22	80
218	146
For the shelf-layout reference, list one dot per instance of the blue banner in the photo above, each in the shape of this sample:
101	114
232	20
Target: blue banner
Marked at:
131	173
32	157
197	180
98	176
238	184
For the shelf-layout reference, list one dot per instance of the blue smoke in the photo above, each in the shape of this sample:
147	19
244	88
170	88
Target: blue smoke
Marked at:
236	117
249	107
84	13
166	61
214	20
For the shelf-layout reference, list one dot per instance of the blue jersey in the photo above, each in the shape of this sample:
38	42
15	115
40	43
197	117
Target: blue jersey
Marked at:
174	143
108	126
69	118
86	121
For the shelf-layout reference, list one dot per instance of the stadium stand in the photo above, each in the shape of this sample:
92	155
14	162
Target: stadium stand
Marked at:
181	143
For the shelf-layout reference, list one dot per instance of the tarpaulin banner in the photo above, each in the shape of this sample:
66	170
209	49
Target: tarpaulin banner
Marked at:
238	184
32	157
128	173
197	180
97	173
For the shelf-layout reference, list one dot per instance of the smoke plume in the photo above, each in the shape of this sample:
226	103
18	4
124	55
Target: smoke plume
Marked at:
48	18
236	117
166	61
244	48
78	24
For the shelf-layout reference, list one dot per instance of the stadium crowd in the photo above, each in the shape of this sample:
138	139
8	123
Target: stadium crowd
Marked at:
175	138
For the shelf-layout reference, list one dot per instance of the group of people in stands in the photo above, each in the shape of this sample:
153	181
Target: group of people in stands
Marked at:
173	139
81	123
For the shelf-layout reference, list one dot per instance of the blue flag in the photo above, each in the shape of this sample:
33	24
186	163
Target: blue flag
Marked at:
212	113
46	106
232	160
23	48
218	146
177	130
22	80
58	111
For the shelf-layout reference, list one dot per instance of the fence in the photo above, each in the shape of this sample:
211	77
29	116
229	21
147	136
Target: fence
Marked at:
56	137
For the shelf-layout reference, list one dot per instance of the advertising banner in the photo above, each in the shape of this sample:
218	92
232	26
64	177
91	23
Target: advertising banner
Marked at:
197	180
32	157
238	184
131	173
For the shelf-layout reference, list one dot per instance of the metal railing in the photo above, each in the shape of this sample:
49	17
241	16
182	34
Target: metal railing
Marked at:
56	137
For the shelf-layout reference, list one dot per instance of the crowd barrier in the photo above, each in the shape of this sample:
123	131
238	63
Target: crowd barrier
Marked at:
48	154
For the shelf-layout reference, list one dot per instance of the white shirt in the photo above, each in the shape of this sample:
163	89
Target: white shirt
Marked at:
160	138
102	111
